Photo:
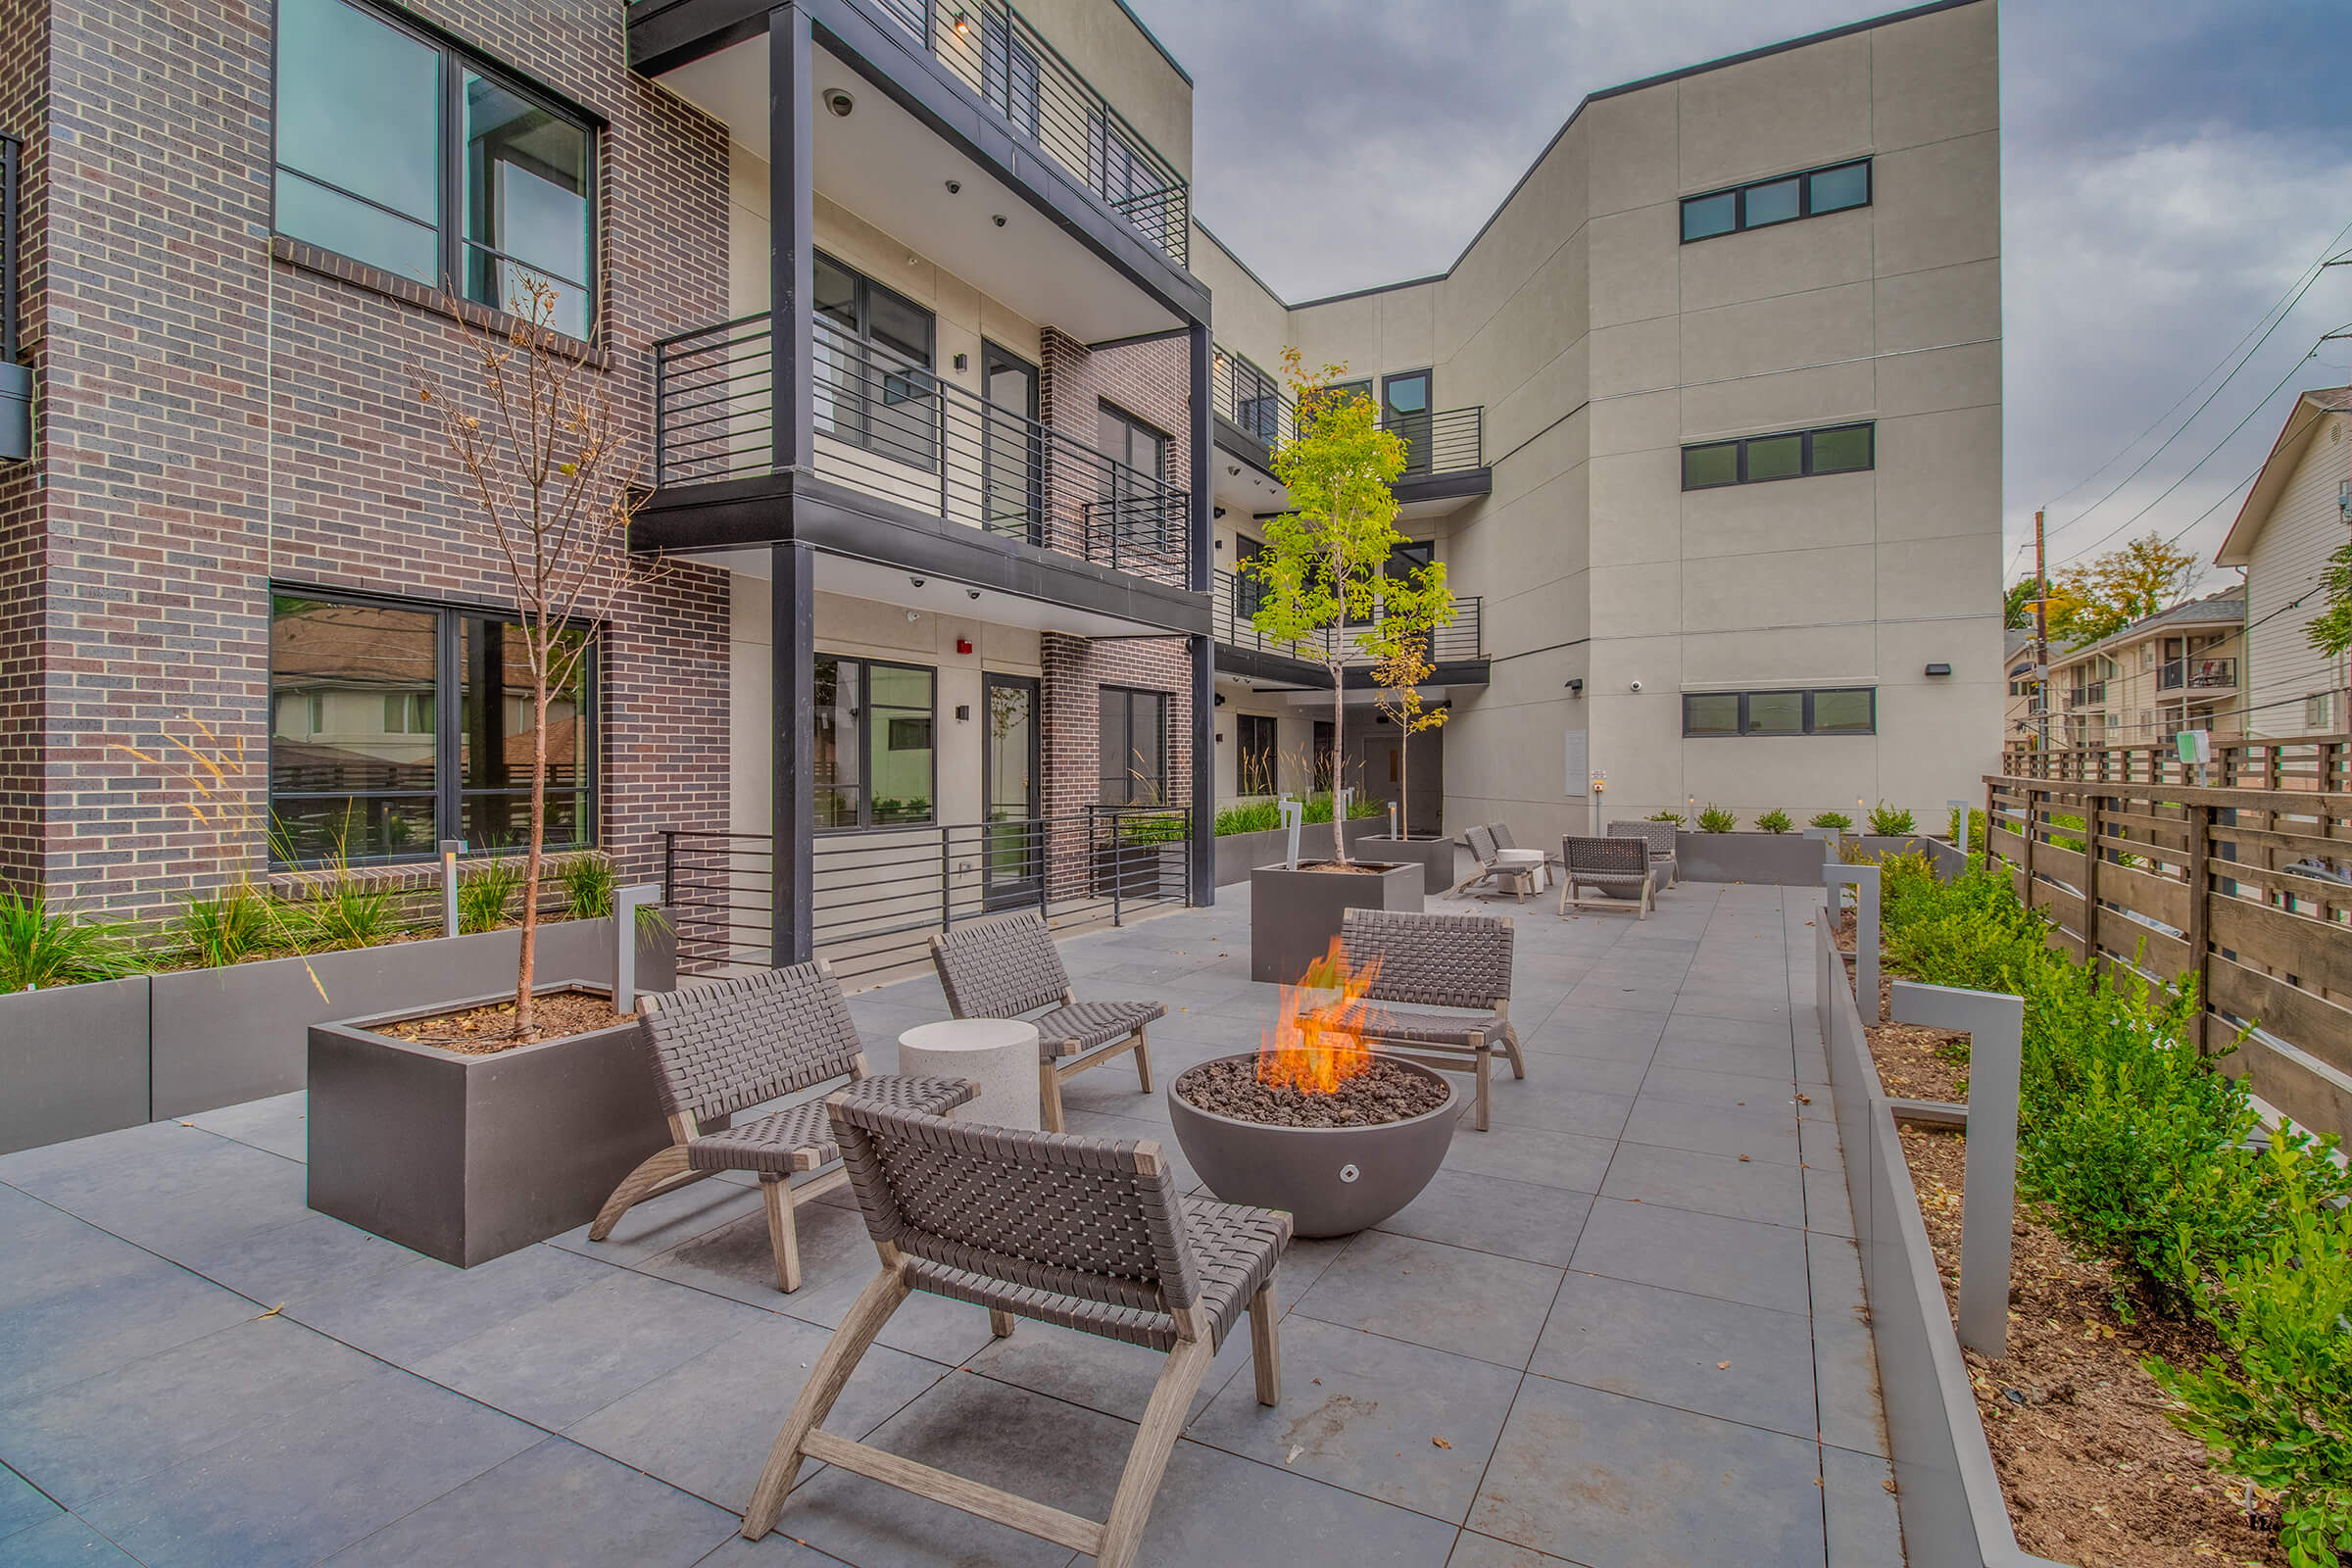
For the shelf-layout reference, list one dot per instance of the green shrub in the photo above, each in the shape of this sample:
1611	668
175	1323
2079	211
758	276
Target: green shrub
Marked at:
1675	817
44	946
1157	828
1886	821
348	913
1775	820
1363	805
486	892
2278	1407
1975	827
588	883
1256	816
1837	819
228	926
1715	819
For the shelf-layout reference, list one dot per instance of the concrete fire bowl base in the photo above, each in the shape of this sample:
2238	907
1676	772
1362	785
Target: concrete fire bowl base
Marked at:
1334	1181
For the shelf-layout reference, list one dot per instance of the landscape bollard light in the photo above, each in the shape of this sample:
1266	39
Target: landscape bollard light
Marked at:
1294	812
1865	879
449	886
1995	1025
625	905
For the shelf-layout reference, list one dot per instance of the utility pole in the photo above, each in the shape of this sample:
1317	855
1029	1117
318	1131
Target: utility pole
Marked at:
2042	634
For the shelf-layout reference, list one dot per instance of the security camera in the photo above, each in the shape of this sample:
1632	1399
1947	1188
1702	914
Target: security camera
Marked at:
840	103
1636	685
955	187
997	219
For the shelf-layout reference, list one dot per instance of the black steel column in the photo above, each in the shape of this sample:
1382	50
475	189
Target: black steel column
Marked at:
1204	650
791	235
792	786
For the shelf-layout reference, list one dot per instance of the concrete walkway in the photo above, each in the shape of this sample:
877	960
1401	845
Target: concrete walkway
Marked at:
1622	1328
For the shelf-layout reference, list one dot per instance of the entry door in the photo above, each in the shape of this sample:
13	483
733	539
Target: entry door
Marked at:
1011	463
1013	857
1383	774
1405	410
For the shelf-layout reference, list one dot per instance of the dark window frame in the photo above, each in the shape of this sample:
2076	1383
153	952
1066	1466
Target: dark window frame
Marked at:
450	791
882	362
457	59
1242	753
1806	467
1804	199
1807	728
1165	529
1167	712
866	822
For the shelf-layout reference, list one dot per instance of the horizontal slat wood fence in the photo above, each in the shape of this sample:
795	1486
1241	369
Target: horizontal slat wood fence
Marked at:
2321	763
2246	889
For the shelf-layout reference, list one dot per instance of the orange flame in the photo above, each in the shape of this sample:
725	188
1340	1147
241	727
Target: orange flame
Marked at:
1317	1041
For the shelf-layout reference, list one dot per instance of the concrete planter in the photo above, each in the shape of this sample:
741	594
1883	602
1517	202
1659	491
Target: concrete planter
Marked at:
1877	844
1434	855
466	1158
1295	914
1238	853
1780	860
73	1061
1334	1181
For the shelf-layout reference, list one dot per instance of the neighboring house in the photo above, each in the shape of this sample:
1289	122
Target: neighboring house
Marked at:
2180	668
2021	718
1705	423
2296	515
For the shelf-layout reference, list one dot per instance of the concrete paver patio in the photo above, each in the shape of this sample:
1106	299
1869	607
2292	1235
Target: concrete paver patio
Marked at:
1620	1329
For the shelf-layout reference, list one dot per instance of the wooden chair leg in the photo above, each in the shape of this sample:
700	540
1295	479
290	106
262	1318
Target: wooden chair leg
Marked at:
1483	1057
1001	1322
1048	1093
783	1234
1143	1058
1510	1048
1148	1460
826	1379
635	1187
1265	1347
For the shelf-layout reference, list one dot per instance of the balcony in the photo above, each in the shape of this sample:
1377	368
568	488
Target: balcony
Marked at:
2093	695
890	429
1254	418
1457	649
2197	674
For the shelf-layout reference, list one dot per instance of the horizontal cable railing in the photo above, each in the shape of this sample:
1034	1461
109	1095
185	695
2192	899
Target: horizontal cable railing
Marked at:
1027	83
880	895
1233	622
889	426
2194	674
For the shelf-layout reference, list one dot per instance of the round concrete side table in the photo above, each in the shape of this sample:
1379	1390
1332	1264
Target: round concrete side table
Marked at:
1000	1055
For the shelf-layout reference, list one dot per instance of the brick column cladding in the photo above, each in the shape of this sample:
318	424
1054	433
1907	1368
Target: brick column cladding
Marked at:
24	541
215	420
1151	381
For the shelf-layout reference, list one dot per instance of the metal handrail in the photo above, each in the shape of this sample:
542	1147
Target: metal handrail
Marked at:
1251	401
1232	622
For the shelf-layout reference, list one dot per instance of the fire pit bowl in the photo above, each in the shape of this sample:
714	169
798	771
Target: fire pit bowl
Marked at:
1332	1180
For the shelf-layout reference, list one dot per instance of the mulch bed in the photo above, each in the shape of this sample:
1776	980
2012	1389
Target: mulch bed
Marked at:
487	1030
1387	1093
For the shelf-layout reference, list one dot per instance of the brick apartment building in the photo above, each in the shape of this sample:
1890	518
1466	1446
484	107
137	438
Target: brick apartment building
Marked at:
944	613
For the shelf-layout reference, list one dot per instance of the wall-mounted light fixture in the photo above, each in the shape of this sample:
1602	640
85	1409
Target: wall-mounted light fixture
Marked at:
1576	684
1939	669
963	360
963	712
963	25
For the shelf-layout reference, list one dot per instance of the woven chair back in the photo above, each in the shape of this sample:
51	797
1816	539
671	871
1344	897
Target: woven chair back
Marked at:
1503	836
1606	857
1431	961
1482	845
1658	835
726	1044
999	967
1048	1211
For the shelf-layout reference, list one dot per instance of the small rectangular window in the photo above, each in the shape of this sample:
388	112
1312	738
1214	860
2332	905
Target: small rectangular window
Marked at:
1791	454
1705	217
1781	199
1253	753
1705	467
1835	189
1775	714
1778	457
1711	714
1829	710
1843	449
1847	710
1776	203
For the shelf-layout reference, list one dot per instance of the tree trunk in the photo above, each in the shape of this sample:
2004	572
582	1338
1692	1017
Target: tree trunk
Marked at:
527	1025
1404	778
1339	762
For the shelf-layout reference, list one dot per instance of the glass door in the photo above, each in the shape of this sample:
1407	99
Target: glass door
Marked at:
1011	459
1012	854
1405	412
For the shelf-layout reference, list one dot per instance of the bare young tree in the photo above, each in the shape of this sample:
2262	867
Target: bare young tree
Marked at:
543	462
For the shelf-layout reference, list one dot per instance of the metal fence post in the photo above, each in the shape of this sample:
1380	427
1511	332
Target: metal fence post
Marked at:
946	903
625	905
1118	873
1865	879
1996	1027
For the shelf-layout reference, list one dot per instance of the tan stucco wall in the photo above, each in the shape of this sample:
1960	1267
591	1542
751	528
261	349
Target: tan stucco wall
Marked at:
1109	50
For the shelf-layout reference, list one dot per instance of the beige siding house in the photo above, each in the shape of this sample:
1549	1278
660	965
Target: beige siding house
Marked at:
2292	519
2178	669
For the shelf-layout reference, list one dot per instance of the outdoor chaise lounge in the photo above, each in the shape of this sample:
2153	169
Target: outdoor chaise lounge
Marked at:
1086	1233
723	1045
1618	867
1513	854
1515	874
1006	966
1661	847
1439	960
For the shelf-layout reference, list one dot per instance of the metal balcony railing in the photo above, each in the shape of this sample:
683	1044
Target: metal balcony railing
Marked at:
1024	80
887	425
1236	604
1247	397
2196	675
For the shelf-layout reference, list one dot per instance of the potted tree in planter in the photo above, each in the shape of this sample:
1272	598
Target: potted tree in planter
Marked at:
1317	572
1412	612
467	1127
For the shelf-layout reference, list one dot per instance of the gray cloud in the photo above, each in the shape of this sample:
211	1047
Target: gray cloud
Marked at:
2168	171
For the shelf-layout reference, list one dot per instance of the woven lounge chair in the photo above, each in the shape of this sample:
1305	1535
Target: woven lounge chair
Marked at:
726	1045
1617	867
1086	1233
1006	966
1439	960
1661	847
1516	875
1512	853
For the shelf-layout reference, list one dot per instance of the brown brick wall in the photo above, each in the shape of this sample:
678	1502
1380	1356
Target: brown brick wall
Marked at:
217	419
23	543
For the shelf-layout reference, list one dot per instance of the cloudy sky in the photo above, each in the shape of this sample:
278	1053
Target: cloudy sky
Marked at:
2171	171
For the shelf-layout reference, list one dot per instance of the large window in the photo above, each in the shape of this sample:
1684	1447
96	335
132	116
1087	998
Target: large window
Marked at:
1823	710
396	725
874	386
1253	753
1135	747
1135	506
1781	199
367	112
1791	454
875	743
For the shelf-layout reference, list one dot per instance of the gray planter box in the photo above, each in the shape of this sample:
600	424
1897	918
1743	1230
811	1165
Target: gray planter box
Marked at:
1435	856
1781	860
1240	854
73	1061
466	1158
1894	844
1295	914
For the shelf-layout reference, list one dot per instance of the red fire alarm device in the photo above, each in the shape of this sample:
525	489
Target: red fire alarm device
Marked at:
963	645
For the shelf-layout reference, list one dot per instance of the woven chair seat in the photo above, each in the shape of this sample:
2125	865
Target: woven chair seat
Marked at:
1083	1025
1420	1027
767	1146
1234	1249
